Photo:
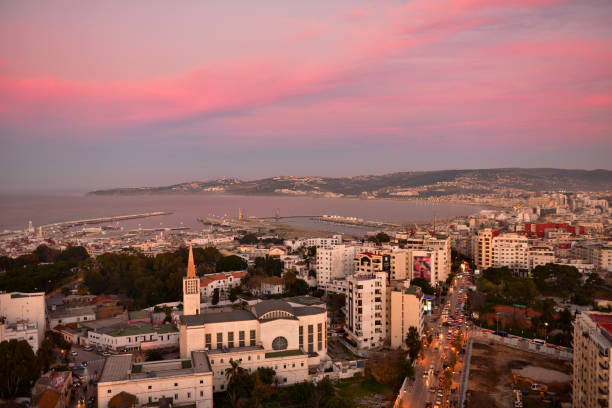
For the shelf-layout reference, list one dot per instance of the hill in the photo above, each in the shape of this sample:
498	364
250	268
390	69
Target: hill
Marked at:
403	184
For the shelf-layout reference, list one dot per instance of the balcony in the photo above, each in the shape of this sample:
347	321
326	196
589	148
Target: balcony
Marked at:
603	391
604	365
603	378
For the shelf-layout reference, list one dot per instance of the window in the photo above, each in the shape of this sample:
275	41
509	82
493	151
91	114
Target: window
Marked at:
175	396
109	391
279	343
222	386
252	337
150	387
219	340
188	395
201	393
320	336
310	338
230	339
176	384
208	341
249	358
150	399
301	337
201	381
241	338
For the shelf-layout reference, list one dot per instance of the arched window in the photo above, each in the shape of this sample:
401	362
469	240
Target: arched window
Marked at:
279	343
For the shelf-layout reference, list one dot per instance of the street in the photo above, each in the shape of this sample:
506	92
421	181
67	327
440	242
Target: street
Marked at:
427	389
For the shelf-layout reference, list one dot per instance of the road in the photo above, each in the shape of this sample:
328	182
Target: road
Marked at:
419	392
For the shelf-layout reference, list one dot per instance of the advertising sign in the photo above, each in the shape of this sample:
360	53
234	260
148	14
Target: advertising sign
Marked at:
421	267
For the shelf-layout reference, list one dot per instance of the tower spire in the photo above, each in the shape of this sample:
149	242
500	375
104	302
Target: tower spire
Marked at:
191	273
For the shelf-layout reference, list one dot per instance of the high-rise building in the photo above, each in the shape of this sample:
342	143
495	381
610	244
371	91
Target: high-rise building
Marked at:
365	304
334	262
591	360
191	288
483	249
405	305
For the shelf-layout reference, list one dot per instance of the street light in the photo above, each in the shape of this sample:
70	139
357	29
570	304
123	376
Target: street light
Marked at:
546	332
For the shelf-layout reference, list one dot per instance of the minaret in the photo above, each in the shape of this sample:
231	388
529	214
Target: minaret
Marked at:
191	288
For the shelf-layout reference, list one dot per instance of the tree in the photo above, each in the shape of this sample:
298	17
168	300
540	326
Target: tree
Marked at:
380	238
19	367
231	263
413	341
423	284
260	392
82	290
65	290
215	296
44	355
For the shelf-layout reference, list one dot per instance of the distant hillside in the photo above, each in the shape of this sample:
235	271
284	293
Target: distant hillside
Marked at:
404	184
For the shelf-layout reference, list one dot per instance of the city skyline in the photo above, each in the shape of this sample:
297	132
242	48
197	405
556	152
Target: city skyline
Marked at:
109	94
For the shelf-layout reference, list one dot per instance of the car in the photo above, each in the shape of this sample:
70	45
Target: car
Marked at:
74	353
88	348
84	363
425	374
432	389
106	354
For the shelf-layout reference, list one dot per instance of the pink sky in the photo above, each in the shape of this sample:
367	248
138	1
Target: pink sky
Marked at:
456	75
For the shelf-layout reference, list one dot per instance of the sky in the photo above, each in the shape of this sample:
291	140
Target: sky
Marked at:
103	94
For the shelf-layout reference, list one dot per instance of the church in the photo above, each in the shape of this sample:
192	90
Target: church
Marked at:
283	335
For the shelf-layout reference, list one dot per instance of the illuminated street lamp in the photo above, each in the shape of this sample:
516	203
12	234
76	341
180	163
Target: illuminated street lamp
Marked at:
546	332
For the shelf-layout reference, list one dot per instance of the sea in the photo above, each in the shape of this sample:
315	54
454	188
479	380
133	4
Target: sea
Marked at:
17	210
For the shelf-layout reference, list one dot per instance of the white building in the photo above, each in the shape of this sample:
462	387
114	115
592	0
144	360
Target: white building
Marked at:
334	262
273	333
21	330
365	306
186	382
540	255
63	315
511	250
223	281
131	337
27	309
294	244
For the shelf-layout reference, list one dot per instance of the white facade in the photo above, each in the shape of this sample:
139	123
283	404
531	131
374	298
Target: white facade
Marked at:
65	315
20	331
540	255
25	307
136	337
511	250
334	262
272	333
186	381
313	242
365	306
223	281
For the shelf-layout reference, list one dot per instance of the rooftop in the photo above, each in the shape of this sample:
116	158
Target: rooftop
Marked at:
131	330
121	367
603	320
200	319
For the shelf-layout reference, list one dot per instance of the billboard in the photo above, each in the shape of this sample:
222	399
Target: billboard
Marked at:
421	267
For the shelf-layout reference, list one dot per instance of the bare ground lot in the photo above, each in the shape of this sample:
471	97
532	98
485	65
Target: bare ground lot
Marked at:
491	368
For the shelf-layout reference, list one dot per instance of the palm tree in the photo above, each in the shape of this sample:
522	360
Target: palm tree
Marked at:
234	372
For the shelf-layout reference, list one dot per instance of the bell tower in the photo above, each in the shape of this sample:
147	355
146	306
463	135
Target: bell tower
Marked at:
191	288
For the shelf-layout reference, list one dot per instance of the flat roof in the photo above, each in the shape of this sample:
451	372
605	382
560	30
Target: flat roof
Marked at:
132	330
234	316
307	310
121	367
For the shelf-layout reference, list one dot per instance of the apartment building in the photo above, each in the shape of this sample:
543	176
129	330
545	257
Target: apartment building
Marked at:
20	312
600	255
511	250
334	262
483	248
591	362
405	307
294	244
365	304
181	382
540	255
437	247
223	281
21	330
